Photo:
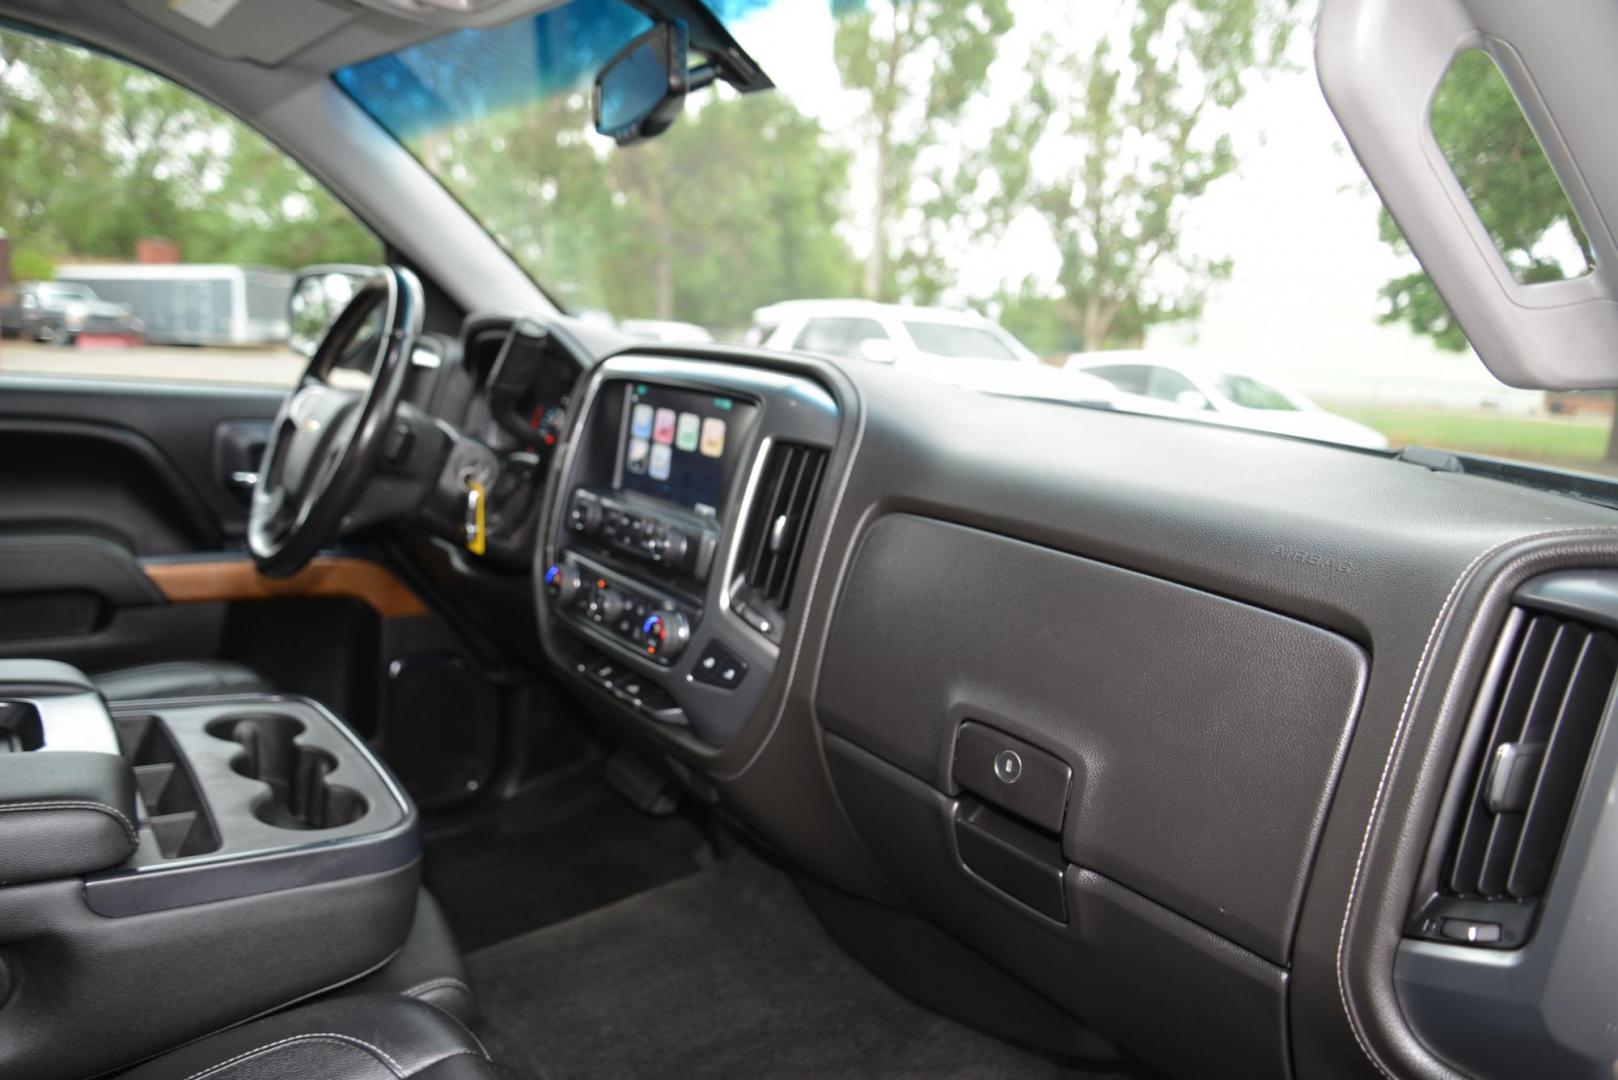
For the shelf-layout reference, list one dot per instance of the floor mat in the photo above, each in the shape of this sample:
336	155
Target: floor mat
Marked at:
725	974
549	854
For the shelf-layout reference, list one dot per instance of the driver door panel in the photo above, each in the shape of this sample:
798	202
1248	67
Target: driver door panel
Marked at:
145	461
96	477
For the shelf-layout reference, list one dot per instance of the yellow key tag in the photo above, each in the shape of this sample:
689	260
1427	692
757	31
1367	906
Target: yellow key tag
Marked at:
476	537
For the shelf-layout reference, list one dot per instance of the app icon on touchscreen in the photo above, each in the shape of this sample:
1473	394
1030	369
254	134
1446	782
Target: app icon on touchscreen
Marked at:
685	436
713	437
635	462
663	427
662	456
640	423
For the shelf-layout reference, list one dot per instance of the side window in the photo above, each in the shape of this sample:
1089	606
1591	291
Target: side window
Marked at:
144	233
1249	393
1167	384
839	336
1130	378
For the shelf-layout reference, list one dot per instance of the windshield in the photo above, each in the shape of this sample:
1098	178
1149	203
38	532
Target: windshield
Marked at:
1116	177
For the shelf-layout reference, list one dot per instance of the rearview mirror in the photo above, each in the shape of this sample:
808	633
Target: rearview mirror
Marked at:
1191	399
319	294
640	91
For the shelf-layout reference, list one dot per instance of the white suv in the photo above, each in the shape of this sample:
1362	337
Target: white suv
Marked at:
956	346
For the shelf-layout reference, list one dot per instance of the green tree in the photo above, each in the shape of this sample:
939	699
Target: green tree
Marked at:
1137	118
96	154
1481	130
916	65
536	183
735	207
1046	324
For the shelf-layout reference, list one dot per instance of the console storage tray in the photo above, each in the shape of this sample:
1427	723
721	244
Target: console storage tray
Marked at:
249	795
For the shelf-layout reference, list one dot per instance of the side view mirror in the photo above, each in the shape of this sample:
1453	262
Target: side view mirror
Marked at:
878	350
640	91
319	294
1191	399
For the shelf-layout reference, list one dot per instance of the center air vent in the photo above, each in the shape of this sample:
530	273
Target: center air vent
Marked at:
772	541
1522	762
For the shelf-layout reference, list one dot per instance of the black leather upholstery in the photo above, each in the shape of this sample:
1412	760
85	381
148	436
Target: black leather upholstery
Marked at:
180	678
373	1037
64	814
429	967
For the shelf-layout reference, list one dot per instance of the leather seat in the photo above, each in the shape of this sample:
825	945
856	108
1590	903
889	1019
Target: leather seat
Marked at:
371	1037
179	678
428	968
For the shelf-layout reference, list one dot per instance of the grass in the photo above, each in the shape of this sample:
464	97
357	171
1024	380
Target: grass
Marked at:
1563	441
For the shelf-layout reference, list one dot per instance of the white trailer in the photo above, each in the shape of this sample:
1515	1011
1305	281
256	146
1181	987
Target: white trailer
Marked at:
195	304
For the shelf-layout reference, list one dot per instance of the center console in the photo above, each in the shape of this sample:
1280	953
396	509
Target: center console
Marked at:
168	868
683	499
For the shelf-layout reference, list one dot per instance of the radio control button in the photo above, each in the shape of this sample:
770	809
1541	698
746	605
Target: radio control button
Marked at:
584	515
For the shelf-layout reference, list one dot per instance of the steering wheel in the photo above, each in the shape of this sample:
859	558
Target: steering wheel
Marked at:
327	440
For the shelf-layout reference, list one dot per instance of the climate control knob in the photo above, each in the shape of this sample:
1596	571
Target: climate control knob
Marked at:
562	583
610	603
665	634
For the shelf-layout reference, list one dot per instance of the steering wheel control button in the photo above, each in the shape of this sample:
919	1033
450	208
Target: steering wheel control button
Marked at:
401	440
718	666
1012	775
1008	766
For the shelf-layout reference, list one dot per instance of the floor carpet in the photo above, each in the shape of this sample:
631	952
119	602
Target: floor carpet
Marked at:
566	847
723	974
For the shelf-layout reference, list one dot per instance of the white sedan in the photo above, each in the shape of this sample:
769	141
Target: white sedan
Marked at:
1195	390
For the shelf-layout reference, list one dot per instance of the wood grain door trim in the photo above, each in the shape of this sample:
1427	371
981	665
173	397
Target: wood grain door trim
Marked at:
192	582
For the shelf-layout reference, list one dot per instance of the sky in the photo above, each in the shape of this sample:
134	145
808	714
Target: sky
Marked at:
1298	219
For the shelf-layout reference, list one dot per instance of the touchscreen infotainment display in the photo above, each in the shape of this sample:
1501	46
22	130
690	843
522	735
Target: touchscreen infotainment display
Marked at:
680	445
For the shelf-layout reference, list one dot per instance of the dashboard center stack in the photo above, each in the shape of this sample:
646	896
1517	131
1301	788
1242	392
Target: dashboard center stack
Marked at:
664	492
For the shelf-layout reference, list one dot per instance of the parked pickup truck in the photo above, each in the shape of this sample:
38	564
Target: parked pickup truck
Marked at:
59	312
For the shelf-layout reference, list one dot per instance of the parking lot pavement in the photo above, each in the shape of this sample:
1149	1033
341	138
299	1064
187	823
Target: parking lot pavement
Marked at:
250	367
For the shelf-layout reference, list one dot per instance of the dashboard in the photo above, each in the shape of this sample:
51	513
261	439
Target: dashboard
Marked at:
1185	728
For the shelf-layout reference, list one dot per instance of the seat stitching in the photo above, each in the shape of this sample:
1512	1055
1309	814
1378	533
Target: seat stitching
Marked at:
215	1069
78	804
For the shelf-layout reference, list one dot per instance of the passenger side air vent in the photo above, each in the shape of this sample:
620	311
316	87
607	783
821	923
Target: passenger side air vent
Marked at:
772	541
1521	765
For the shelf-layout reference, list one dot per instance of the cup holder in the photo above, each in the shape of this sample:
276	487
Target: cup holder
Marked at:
300	795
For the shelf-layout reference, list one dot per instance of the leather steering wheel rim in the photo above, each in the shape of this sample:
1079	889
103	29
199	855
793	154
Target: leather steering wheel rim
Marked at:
326	442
